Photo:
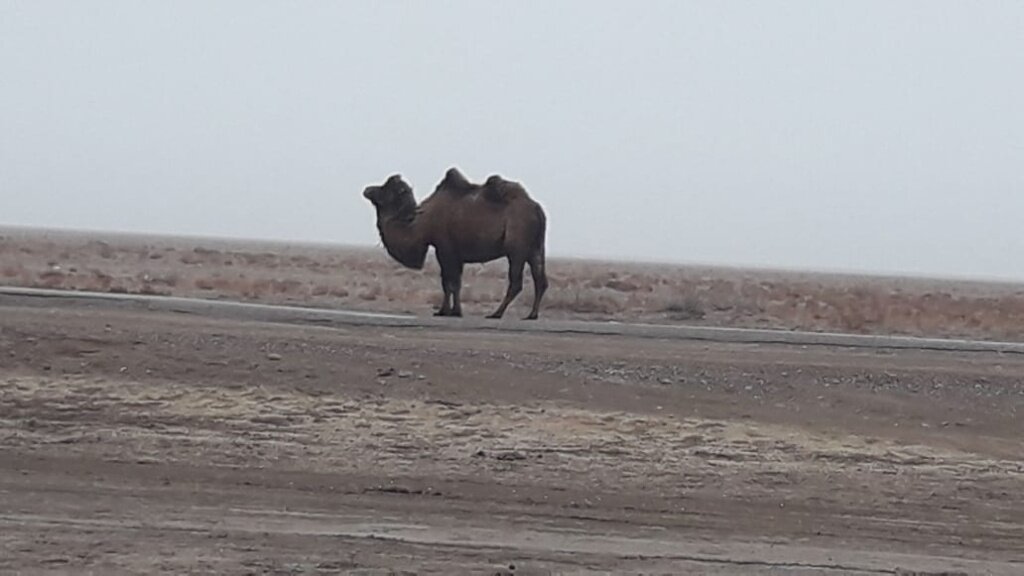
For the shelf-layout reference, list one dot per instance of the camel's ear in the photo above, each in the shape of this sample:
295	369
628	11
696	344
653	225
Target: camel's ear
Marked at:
396	185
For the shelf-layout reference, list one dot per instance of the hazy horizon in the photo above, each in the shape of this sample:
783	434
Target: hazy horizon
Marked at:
875	137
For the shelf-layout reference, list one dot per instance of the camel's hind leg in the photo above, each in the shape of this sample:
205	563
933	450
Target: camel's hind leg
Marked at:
540	282
515	284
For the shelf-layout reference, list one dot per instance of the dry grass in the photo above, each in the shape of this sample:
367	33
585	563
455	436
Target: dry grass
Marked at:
366	279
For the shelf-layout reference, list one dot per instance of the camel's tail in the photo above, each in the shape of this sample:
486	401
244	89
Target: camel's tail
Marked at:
542	229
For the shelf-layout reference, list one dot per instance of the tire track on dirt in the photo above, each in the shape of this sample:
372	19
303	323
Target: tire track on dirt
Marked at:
587	548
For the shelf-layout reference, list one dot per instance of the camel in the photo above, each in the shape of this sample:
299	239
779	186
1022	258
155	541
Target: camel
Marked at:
465	223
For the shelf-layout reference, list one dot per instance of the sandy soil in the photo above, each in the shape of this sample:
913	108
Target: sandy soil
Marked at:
365	279
136	442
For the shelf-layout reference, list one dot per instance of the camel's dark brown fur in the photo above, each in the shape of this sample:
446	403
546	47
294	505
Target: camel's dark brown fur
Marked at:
465	223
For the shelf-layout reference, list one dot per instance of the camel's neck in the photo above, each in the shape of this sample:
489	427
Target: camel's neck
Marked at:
404	241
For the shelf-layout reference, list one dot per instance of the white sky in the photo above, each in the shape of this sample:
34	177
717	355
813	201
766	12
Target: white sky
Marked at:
875	136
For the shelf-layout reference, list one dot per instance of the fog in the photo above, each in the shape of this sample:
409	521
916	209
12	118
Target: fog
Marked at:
861	136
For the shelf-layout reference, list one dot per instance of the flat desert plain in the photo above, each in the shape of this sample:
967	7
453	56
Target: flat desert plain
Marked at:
366	279
138	441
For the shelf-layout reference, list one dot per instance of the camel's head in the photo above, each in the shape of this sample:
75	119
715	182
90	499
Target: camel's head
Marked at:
393	198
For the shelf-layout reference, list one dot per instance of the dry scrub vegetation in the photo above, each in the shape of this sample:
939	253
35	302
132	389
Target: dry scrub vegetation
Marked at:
366	279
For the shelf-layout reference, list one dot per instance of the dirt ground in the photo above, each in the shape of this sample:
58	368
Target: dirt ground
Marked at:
141	442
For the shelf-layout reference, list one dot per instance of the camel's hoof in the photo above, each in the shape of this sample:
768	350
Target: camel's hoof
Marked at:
442	313
494	316
531	317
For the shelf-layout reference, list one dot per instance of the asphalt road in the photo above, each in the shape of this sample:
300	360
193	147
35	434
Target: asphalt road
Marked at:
330	317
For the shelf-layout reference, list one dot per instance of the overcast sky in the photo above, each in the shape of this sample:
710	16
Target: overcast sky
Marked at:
867	136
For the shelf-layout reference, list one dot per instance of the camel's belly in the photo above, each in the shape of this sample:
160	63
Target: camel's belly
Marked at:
478	256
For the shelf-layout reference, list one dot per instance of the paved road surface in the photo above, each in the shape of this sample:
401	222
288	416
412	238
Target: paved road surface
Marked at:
328	317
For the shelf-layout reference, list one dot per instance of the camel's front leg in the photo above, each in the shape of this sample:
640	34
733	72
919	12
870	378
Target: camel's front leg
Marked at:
515	285
455	288
451	280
